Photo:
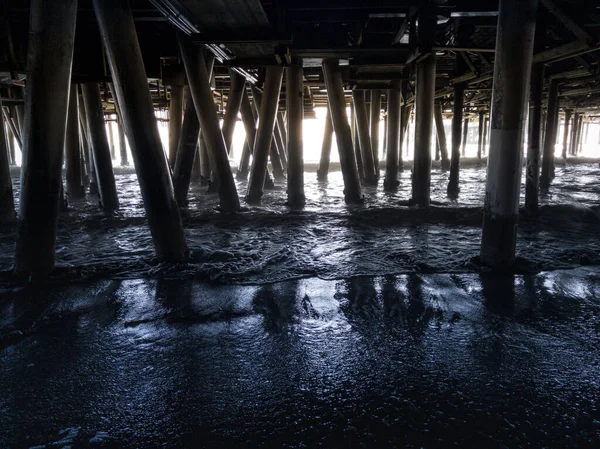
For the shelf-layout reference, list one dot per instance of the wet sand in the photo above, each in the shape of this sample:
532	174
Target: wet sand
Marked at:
433	360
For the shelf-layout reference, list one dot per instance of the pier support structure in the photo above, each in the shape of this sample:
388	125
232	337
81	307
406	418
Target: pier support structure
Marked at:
249	120
374	120
295	115
323	169
264	134
424	102
568	114
441	137
457	120
7	202
390	183
341	127
73	148
534	140
199	80
550	136
234	101
480	135
512	69
175	121
133	95
49	64
100	148
362	120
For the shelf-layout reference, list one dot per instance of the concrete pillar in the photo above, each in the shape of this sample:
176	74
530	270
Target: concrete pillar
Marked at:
356	143
425	89
7	202
49	61
83	128
175	122
73	148
10	141
579	135
274	150
568	114
133	96
100	149
485	134
323	169
550	138
512	68
186	153
441	136
375	112
122	142
295	114
457	119
199	81
264	134
234	101
250	127
573	142
362	121
480	135
341	127
584	136
275	154
280	135
111	138
204	160
10	121
407	110
534	138
465	132
390	183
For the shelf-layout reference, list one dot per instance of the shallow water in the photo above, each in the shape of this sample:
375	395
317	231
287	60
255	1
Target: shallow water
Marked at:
431	360
327	239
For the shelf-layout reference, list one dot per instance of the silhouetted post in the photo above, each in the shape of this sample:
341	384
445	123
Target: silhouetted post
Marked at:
356	143
575	127
49	62
280	138
457	119
465	132
390	183
404	135
175	122
375	113
568	113
323	169
100	149
341	127
234	101
274	150
550	138
7	202
10	139
111	139
362	120
441	136
424	98
486	129
534	142
512	69
199	81
264	134
133	95
480	135
73	148
122	143
295	114
88	147
250	127
186	153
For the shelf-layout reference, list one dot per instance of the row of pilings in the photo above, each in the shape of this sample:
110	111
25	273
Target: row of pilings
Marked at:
62	117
